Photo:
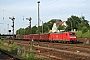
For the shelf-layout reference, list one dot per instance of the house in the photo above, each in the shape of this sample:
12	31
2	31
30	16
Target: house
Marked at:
61	23
54	28
56	24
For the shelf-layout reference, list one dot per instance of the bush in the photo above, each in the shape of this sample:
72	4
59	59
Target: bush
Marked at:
84	29
80	34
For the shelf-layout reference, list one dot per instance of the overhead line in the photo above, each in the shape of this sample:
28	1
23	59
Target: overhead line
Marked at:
49	3
43	6
35	9
68	7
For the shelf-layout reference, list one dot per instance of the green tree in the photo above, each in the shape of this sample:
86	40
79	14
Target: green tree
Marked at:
40	29
68	28
48	26
27	30
61	27
45	28
75	22
21	31
84	22
84	29
34	30
50	23
80	25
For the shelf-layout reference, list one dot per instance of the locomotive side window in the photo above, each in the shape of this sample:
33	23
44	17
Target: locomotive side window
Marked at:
72	34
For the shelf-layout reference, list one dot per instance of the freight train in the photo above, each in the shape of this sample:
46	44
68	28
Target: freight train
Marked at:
55	37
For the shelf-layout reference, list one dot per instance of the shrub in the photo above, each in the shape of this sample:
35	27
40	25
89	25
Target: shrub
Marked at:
84	29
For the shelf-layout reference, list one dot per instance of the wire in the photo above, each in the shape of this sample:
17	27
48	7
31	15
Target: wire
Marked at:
49	3
69	7
36	8
73	5
60	10
43	6
3	14
23	17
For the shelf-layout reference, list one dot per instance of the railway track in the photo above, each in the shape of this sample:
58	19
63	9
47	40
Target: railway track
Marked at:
58	51
6	56
63	54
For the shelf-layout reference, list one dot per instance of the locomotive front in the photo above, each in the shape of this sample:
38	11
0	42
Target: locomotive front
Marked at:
72	36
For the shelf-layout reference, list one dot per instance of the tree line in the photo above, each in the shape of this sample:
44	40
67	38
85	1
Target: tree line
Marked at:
73	22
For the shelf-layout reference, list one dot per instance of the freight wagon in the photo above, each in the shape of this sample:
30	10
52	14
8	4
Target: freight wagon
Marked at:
63	37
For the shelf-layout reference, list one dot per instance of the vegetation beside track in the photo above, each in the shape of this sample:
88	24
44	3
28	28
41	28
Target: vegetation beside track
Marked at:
14	49
83	35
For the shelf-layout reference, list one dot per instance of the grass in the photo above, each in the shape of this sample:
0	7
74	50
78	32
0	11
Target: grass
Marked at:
83	35
13	49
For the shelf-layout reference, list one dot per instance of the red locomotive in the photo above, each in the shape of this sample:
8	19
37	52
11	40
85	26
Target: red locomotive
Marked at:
57	37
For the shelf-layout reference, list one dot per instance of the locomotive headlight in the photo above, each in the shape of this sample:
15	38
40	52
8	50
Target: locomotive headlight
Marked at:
74	37
70	37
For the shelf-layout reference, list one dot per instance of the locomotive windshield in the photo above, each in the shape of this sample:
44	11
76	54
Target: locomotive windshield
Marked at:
72	34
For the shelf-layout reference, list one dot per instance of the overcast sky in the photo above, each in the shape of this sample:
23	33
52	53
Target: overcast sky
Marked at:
49	9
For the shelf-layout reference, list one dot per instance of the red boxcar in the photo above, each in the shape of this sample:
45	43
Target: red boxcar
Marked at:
26	37
31	36
44	36
35	36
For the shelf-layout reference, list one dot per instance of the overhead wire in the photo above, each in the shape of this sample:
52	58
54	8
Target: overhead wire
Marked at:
30	11
73	5
67	7
41	7
36	9
51	3
48	4
3	14
52	12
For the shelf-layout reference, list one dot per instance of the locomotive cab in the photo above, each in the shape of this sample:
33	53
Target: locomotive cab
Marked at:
72	36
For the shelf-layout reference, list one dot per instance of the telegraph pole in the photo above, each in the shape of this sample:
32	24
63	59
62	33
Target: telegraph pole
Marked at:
71	26
38	23
42	27
3	14
12	25
8	29
30	28
29	23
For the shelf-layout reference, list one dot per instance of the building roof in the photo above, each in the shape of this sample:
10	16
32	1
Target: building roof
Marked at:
60	23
